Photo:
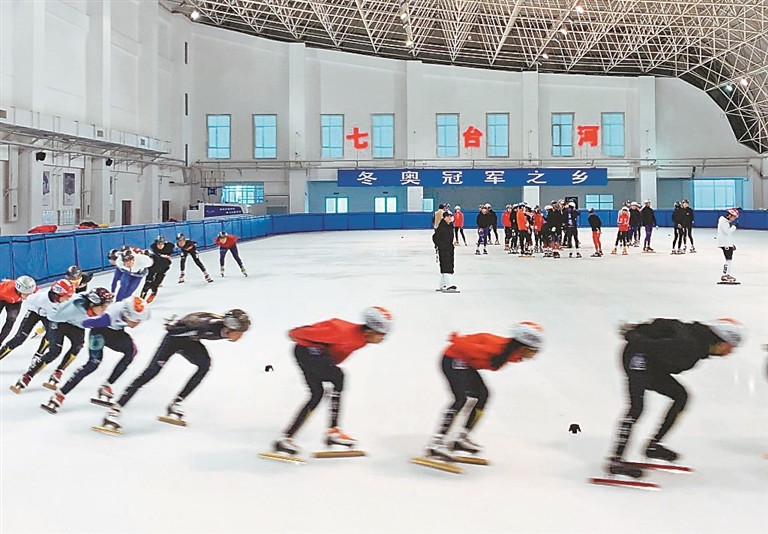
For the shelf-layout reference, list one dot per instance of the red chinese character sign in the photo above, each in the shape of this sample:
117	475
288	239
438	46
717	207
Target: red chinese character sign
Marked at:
358	138
472	137
587	135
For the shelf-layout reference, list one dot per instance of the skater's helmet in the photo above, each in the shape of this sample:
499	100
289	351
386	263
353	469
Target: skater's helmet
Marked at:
128	255
733	212
112	254
572	204
222	235
100	296
63	288
160	240
135	309
457	208
528	333
74	272
237	320
729	330
378	319
181	237
25	285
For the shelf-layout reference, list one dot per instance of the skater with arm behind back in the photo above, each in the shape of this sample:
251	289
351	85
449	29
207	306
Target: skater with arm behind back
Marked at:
461	362
653	353
183	336
443	240
320	349
161	252
189	248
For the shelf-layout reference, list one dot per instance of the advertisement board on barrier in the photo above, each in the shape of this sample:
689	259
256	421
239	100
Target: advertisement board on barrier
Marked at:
471	177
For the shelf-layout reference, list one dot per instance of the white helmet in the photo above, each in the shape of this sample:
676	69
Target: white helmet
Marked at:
135	309
25	285
729	330
572	204
528	333
457	208
378	319
488	205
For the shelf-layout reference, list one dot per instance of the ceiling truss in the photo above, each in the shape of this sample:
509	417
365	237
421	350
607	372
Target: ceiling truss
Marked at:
720	46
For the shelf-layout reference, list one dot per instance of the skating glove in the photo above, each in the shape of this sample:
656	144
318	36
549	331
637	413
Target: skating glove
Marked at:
499	360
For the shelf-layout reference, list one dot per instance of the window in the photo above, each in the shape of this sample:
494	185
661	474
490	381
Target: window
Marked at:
599	202
243	193
264	136
332	133
497	126
447	135
218	136
717	194
613	134
428	205
562	134
385	204
336	204
383	135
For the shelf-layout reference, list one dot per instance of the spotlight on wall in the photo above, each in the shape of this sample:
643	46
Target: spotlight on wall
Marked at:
109	162
544	56
40	156
195	15
744	82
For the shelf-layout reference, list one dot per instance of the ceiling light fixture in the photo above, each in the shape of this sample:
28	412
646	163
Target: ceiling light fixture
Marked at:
743	81
563	29
545	56
195	15
409	42
728	88
579	7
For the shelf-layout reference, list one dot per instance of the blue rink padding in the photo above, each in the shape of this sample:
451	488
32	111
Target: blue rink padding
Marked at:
46	257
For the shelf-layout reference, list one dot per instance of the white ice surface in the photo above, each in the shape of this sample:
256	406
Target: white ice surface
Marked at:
56	475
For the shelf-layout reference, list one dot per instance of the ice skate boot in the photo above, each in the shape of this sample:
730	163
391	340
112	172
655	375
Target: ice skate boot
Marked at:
103	396
438	449
286	446
244	272
613	251
22	383
221	271
337	437
570	254
455	243
595	255
556	254
4	351
54	403
477	252
624	252
181	278
485	251
464	444
111	423
578	254
497	242
151	298
658	451
617	466
208	277
693	250
53	380
174	414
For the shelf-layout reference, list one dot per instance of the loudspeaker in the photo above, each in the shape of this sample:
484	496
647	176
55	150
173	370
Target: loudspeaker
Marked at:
40	156
109	162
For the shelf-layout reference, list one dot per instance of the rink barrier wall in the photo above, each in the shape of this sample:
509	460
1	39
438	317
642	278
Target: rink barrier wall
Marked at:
46	257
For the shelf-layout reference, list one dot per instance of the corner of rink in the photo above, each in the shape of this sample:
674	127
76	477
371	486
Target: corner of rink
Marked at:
208	477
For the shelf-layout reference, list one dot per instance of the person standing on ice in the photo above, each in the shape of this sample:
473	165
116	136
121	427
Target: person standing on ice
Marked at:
462	359
443	240
320	349
484	221
726	226
458	226
648	220
597	229
654	352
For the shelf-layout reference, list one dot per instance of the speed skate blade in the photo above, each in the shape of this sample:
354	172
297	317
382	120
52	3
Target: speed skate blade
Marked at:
339	454
101	402
672	468
474	460
50	385
623	483
172	420
281	458
437	464
729	283
107	430
48	409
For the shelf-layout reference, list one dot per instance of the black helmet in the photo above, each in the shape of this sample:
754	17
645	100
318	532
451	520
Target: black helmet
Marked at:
99	296
74	272
222	234
237	320
180	236
112	254
160	239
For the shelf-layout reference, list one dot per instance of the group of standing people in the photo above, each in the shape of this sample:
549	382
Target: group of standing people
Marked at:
682	222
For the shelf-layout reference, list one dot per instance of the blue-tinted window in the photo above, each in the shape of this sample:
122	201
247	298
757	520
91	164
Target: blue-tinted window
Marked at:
562	134
383	135
218	136
428	205
613	134
448	135
498	135
336	204
264	136
243	193
717	194
332	134
385	204
599	202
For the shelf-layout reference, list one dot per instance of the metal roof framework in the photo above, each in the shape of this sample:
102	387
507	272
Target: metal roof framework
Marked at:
719	46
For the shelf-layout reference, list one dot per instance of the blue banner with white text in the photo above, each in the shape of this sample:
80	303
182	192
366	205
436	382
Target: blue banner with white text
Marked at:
471	177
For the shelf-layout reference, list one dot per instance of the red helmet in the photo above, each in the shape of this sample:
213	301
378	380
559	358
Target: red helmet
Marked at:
63	288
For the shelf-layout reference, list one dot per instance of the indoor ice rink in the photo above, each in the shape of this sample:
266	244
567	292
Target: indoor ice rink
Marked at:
326	135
